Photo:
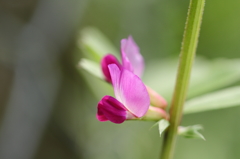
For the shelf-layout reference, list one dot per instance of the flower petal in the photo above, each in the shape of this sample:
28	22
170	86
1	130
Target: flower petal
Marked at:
106	60
115	76
111	109
126	63
131	51
129	90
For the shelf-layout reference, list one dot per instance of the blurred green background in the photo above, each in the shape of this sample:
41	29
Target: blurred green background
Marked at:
48	108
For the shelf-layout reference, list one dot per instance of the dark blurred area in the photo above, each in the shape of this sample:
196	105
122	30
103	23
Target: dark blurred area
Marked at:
47	109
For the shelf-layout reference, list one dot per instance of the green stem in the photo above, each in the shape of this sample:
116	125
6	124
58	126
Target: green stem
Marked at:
187	54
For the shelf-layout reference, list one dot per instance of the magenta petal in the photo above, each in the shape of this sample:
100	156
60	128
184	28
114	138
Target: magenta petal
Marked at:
100	114
111	109
131	51
106	60
130	90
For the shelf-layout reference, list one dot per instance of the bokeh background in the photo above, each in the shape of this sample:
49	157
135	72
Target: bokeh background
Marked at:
48	107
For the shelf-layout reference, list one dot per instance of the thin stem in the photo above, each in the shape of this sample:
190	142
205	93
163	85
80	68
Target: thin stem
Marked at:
189	45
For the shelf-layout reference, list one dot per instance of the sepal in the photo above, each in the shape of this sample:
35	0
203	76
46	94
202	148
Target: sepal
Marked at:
191	131
162	126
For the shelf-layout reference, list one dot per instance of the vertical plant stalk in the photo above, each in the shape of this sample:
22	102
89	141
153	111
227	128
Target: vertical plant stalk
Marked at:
189	45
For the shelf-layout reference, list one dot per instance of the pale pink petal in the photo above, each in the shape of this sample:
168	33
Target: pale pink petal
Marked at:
111	109
130	90
106	60
115	73
133	55
126	63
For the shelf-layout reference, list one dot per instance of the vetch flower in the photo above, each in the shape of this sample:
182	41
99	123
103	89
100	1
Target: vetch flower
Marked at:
132	99
132	60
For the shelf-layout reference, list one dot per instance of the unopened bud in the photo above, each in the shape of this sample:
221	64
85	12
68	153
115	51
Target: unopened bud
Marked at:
155	99
155	113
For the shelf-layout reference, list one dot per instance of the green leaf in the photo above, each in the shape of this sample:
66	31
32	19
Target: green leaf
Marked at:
95	44
191	131
162	126
225	98
91	67
212	75
207	75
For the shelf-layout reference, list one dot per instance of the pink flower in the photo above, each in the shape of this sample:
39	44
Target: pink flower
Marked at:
132	99
132	60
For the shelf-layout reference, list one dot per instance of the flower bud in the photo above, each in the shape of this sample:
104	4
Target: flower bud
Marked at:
155	113
155	99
